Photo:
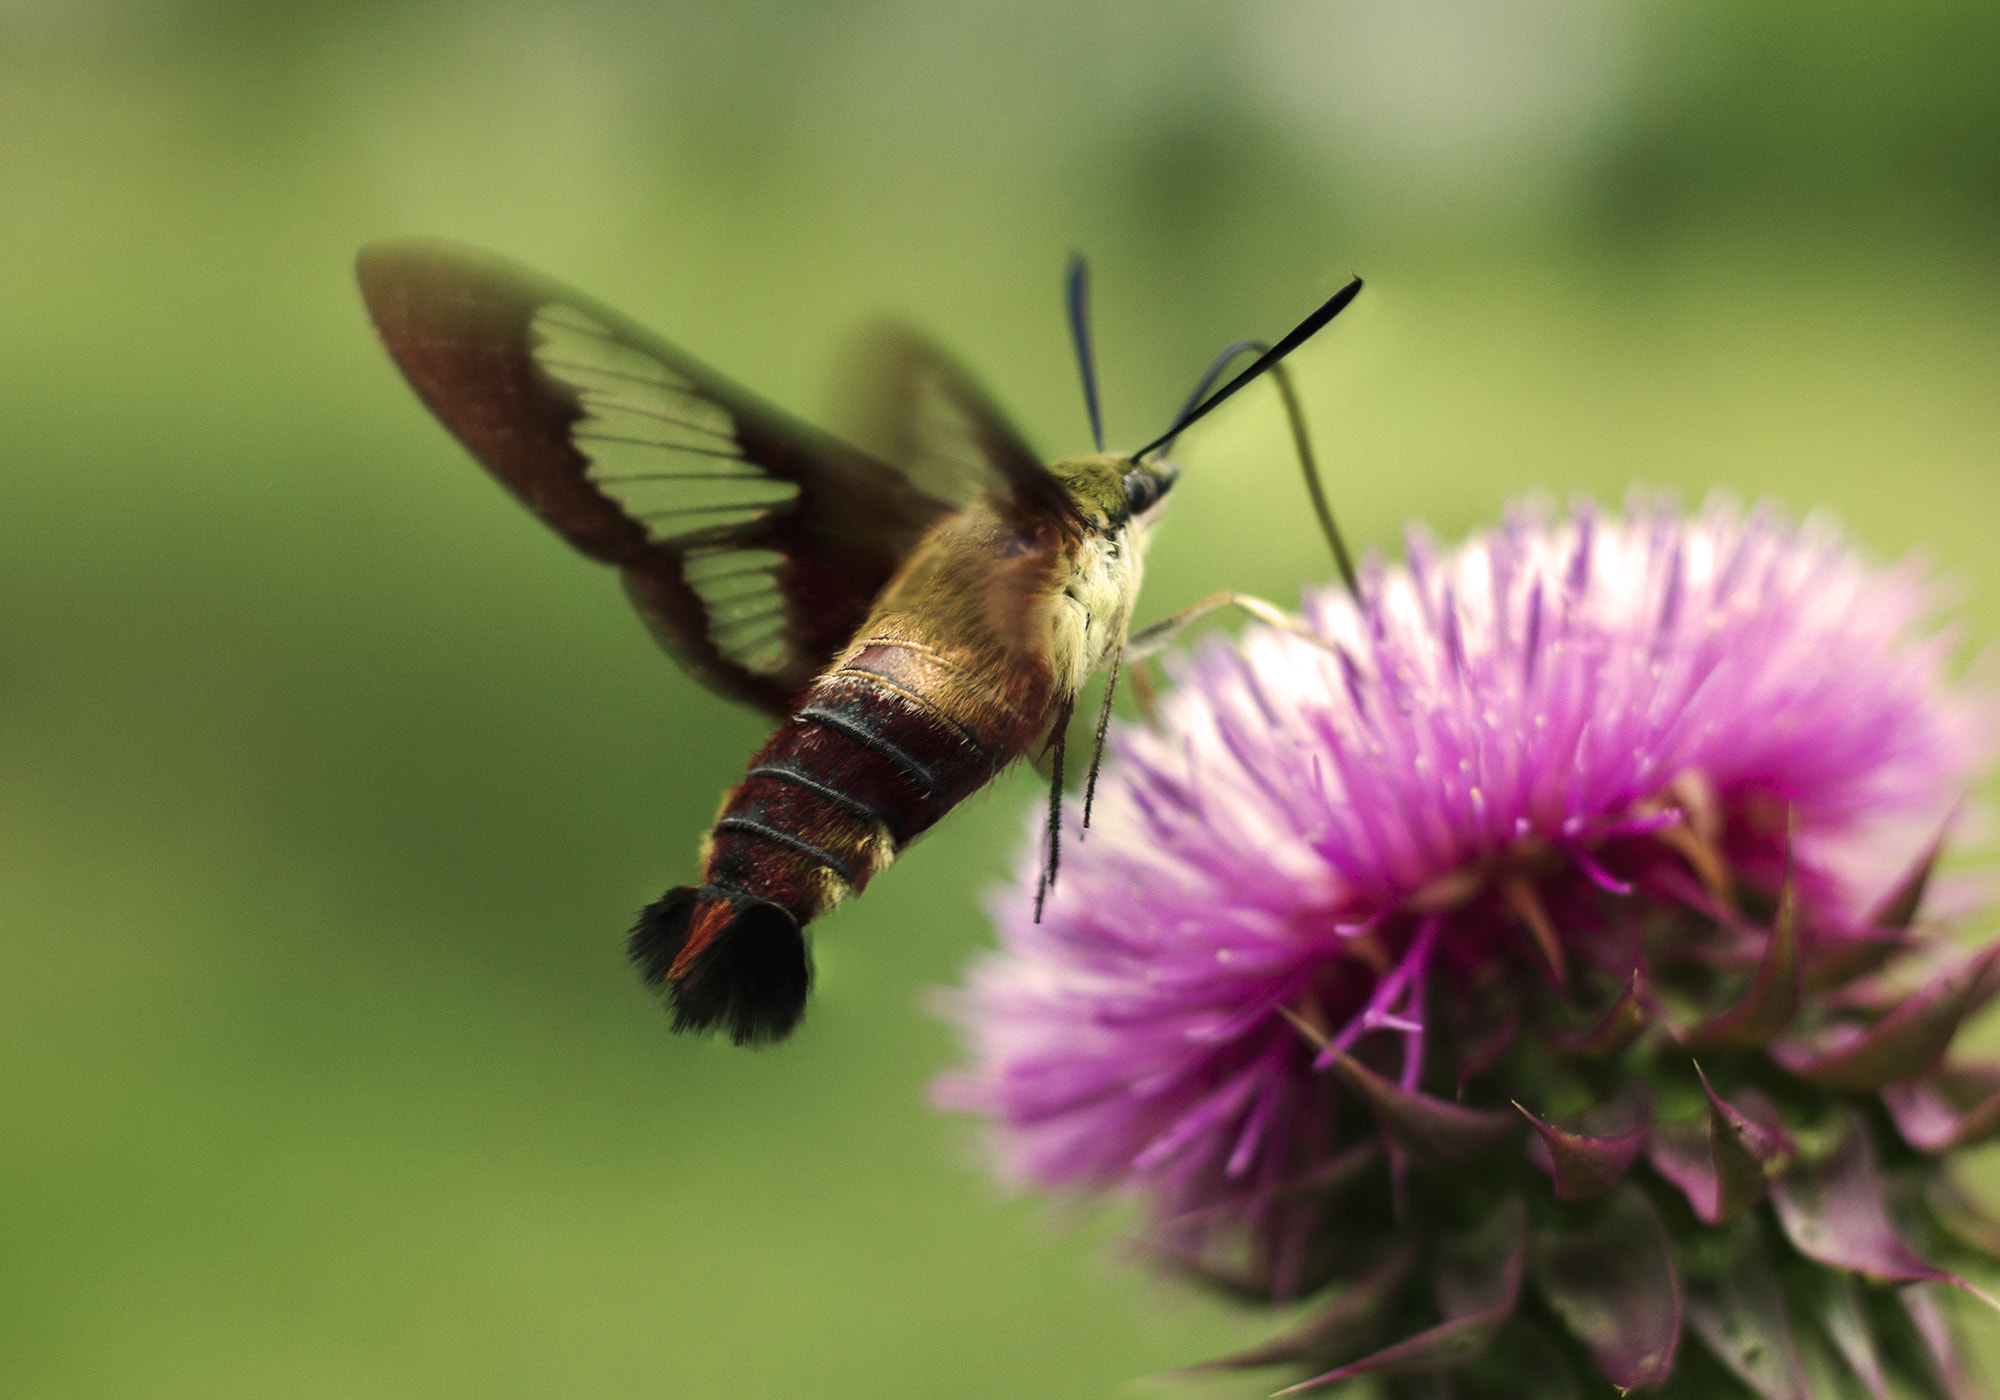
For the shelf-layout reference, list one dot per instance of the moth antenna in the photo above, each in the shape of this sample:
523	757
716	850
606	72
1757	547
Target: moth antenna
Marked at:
1297	336
1058	738
1103	723
1076	285
1144	692
1301	441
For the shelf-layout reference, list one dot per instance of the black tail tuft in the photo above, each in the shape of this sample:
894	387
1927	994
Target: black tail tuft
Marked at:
749	969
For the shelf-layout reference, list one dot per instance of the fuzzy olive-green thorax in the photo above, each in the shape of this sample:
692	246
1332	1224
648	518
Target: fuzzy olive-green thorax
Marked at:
1109	490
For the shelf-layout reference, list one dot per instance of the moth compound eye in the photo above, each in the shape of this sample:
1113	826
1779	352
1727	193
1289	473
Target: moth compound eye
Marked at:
1142	491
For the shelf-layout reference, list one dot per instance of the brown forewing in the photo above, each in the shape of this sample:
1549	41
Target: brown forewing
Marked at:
497	353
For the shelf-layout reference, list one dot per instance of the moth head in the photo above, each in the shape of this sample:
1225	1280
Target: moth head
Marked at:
1111	491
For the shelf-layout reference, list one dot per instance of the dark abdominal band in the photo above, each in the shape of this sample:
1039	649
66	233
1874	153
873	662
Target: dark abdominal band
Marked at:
862	759
868	762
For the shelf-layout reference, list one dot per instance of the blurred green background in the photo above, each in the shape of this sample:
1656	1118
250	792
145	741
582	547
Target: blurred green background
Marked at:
329	779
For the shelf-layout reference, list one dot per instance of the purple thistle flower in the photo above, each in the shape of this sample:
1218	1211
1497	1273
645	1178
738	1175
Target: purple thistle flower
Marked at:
1544	925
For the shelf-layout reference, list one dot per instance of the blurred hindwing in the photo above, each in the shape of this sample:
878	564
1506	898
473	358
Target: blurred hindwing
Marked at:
912	404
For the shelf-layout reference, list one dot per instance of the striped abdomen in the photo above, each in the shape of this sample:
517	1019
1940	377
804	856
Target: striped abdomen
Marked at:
883	746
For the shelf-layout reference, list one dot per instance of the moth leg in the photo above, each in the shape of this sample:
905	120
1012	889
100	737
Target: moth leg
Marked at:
1103	723
1057	742
1145	694
1161	634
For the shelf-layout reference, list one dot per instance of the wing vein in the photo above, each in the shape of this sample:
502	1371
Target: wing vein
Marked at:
756	619
629	478
757	592
662	446
699	579
750	645
598	401
588	328
685	388
751	508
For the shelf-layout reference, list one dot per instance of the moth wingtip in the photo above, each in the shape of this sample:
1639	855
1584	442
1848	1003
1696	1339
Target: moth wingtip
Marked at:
724	961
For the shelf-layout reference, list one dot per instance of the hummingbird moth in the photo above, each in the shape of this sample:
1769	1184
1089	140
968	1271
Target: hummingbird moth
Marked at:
915	617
